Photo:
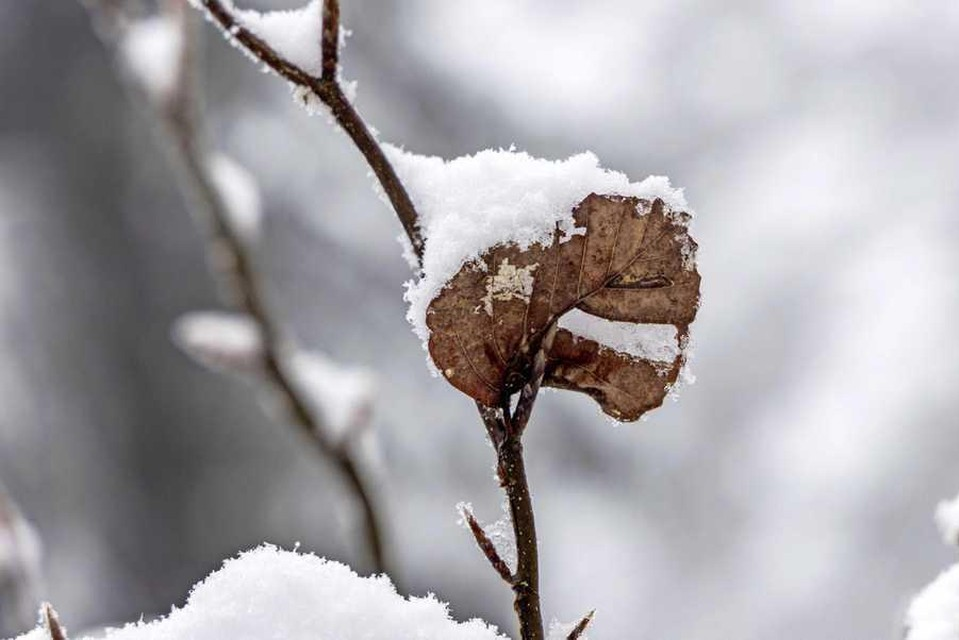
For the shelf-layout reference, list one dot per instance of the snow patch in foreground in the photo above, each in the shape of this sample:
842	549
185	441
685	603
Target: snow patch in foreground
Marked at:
272	593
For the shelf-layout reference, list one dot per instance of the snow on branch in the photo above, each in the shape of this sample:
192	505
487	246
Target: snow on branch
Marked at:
239	194
151	51
296	45
271	593
230	342
343	395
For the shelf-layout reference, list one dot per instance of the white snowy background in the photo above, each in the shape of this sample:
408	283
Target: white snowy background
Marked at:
787	494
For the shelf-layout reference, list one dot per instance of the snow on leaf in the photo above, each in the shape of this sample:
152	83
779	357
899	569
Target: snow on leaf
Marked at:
470	204
271	593
220	341
631	263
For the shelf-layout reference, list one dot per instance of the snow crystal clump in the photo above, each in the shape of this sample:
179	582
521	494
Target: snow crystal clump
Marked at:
221	341
470	204
150	51
947	519
272	593
240	195
934	613
340	394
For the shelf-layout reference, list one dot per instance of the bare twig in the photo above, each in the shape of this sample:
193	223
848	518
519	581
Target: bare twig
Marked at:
328	90
180	125
51	622
487	547
580	628
331	39
512	475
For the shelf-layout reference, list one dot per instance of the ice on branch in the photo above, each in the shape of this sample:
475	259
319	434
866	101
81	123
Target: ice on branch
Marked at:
221	341
271	593
240	195
342	395
151	51
472	203
947	519
20	574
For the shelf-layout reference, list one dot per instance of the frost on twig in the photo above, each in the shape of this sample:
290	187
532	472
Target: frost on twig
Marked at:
271	593
484	540
20	575
572	630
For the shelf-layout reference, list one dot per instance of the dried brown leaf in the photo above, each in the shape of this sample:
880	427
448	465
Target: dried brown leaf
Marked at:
633	261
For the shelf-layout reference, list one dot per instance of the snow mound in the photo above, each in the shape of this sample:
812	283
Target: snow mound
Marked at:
470	204
272	593
934	613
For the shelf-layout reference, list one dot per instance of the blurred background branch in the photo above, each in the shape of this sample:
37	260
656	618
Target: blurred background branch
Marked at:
174	105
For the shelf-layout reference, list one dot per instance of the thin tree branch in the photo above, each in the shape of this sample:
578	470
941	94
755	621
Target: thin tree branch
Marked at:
329	92
179	122
526	600
487	547
331	39
580	628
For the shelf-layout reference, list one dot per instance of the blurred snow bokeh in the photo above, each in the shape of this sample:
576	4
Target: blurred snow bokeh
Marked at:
785	495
